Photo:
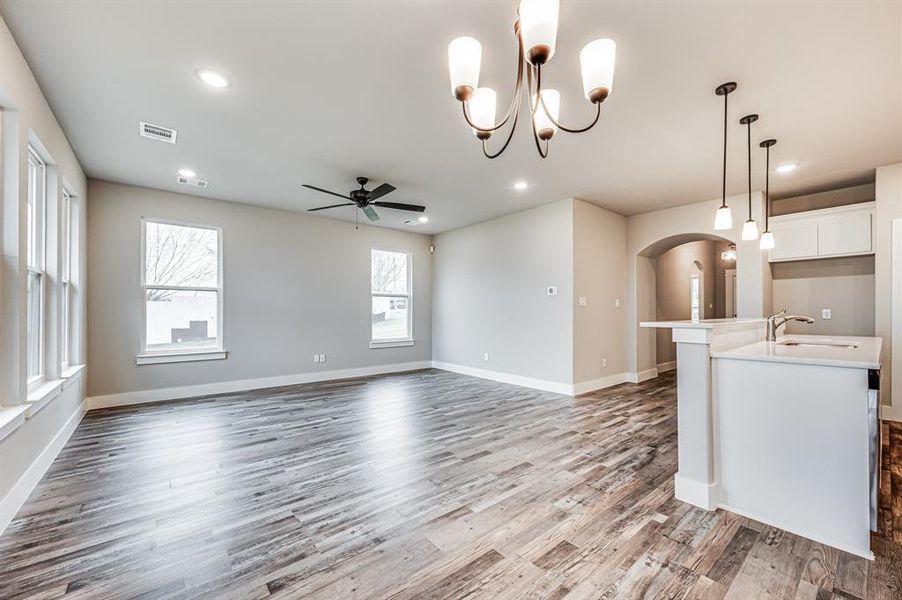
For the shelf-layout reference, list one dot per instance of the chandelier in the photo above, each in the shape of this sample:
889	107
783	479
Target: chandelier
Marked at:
536	31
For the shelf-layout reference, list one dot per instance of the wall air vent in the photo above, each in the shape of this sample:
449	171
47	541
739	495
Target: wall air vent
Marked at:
156	132
201	183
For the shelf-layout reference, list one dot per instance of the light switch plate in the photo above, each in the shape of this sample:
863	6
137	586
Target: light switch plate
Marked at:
826	313
616	301
552	290
583	301
485	356
316	358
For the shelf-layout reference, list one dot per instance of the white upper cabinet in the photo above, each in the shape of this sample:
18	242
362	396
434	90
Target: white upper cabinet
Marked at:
841	231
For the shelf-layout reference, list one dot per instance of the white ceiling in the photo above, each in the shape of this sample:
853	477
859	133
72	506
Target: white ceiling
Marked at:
325	91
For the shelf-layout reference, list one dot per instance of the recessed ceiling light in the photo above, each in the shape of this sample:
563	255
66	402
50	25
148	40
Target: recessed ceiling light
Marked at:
187	173
787	168
520	185
212	78
423	219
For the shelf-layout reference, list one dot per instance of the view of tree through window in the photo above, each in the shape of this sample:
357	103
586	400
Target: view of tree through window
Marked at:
182	287
391	296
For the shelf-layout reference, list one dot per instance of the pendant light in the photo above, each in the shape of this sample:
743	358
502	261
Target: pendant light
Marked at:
723	219
749	228
767	238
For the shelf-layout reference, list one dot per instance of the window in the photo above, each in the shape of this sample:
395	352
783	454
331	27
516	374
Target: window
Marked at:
66	248
35	286
181	289
391	301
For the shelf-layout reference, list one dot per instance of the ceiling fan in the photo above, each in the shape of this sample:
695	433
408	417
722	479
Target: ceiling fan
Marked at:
365	199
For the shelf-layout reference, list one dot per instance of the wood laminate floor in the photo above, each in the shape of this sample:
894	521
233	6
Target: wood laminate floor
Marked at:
422	485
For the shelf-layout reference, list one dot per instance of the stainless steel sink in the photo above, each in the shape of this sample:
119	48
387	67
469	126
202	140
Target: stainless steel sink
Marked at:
812	344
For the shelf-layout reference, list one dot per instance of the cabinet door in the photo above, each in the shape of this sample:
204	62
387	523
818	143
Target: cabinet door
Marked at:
794	239
845	233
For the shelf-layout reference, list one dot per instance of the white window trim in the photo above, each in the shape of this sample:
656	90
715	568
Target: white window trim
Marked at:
34	383
145	357
65	286
409	339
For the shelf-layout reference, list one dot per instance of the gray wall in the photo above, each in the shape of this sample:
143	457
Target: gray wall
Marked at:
490	283
599	266
672	291
294	285
844	285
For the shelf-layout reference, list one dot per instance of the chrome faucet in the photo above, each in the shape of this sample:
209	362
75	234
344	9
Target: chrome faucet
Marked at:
776	321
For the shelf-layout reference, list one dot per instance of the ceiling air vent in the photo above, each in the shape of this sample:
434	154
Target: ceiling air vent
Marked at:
156	132
201	183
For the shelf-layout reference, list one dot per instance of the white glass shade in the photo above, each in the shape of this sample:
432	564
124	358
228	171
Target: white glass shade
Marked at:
767	240
482	108
597	64
552	101
464	59
538	28
749	231
723	219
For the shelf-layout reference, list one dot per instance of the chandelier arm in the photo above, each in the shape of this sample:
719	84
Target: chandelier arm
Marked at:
548	113
510	135
535	136
514	101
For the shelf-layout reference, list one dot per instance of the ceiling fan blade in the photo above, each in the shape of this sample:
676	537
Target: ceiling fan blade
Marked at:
313	187
400	206
385	188
330	206
370	213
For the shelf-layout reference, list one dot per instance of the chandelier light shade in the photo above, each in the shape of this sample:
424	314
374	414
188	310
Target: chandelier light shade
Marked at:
749	228
538	26
723	218
464	61
596	61
767	238
536	31
546	117
482	110
729	253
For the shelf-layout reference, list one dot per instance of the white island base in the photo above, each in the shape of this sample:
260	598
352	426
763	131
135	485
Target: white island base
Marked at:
783	434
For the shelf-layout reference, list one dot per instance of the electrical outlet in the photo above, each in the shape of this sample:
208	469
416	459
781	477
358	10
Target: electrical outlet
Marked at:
322	358
552	290
616	301
583	301
604	363
316	358
485	356
826	313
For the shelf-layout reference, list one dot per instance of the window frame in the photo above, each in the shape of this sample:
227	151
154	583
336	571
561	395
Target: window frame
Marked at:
408	340
65	277
146	356
36	258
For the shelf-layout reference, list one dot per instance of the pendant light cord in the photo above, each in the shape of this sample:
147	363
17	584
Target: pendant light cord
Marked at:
723	202
766	187
748	127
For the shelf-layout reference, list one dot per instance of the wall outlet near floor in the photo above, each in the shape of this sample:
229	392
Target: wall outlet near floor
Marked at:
826	313
319	358
604	363
583	301
316	358
322	358
552	290
485	356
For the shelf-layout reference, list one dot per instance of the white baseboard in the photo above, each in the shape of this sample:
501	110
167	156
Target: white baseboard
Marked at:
891	413
596	384
697	493
241	385
666	366
530	382
642	376
13	501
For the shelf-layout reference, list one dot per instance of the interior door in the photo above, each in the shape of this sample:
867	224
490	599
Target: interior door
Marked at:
730	293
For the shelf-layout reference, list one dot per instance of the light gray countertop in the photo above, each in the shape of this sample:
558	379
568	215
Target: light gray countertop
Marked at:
698	324
865	354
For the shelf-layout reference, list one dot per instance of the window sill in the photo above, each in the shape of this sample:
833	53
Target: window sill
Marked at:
391	343
10	419
42	395
71	374
156	359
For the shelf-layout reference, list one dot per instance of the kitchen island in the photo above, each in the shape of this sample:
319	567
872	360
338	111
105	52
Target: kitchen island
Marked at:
783	432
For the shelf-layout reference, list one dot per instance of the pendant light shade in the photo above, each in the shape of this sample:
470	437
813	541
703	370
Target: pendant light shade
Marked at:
767	238
482	111
464	60
597	64
545	128
723	219
538	27
749	228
